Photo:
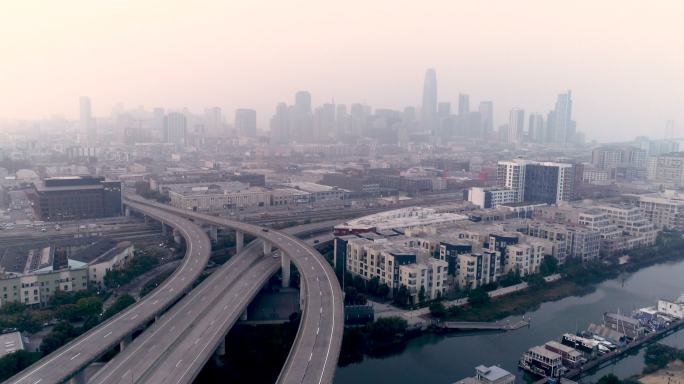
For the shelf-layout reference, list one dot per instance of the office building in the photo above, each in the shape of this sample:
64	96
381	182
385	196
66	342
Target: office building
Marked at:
563	126
490	197
175	128
429	106
87	123
463	104
548	182
486	110
511	175
246	122
665	210
76	197
536	128
667	169
516	126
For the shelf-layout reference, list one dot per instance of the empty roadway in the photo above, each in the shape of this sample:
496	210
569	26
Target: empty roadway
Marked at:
74	356
314	354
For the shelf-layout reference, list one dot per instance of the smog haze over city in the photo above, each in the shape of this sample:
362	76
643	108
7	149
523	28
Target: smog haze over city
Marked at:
350	192
622	59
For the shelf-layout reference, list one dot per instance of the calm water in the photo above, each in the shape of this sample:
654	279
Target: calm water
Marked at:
442	360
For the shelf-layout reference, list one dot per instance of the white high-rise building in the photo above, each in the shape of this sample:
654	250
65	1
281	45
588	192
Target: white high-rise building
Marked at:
246	122
87	124
563	126
429	107
511	175
463	104
537	128
175	128
486	110
516	126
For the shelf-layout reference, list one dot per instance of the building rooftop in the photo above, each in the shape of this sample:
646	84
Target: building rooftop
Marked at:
404	218
10	342
492	373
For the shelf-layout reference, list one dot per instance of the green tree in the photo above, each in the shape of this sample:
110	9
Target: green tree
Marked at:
15	362
121	303
478	297
609	379
438	310
60	335
401	296
89	306
549	265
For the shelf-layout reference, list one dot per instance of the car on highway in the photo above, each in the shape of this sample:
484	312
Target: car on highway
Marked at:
264	229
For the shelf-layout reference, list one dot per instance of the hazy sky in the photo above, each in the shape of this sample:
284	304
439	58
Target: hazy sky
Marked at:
624	60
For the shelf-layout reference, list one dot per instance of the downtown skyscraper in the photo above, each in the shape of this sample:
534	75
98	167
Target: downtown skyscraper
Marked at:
562	126
87	123
429	119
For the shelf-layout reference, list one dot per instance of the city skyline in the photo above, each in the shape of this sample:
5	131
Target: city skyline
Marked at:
621	93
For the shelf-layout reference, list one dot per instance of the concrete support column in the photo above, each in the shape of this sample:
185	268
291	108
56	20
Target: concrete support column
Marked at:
124	342
79	378
127	211
239	241
177	238
165	229
285	267
147	219
221	350
213	233
268	248
243	317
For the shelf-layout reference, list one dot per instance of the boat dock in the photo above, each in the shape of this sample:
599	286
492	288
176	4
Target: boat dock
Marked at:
483	326
617	354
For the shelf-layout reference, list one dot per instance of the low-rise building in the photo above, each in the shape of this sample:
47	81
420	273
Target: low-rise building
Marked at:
489	375
477	269
11	342
665	210
490	197
428	275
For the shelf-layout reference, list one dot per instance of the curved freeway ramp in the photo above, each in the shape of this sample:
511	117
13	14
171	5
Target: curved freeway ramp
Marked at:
313	356
69	360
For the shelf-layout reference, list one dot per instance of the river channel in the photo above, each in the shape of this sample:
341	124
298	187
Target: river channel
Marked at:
435	359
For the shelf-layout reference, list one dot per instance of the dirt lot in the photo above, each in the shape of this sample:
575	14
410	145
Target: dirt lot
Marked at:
672	374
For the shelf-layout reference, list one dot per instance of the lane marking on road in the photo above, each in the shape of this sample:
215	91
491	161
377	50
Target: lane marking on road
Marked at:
178	363
107	335
134	316
75	356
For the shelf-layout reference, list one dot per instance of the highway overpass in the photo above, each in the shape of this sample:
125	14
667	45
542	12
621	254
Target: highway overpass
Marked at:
313	357
69	361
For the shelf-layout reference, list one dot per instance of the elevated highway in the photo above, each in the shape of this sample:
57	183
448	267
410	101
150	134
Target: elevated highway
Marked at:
67	362
313	357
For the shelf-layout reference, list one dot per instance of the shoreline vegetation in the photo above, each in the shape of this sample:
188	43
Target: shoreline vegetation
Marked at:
389	336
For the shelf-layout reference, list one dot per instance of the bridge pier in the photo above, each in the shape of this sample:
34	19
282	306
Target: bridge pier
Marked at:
213	233
127	211
177	238
124	342
243	317
285	268
79	378
239	241
165	229
147	219
221	350
268	248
